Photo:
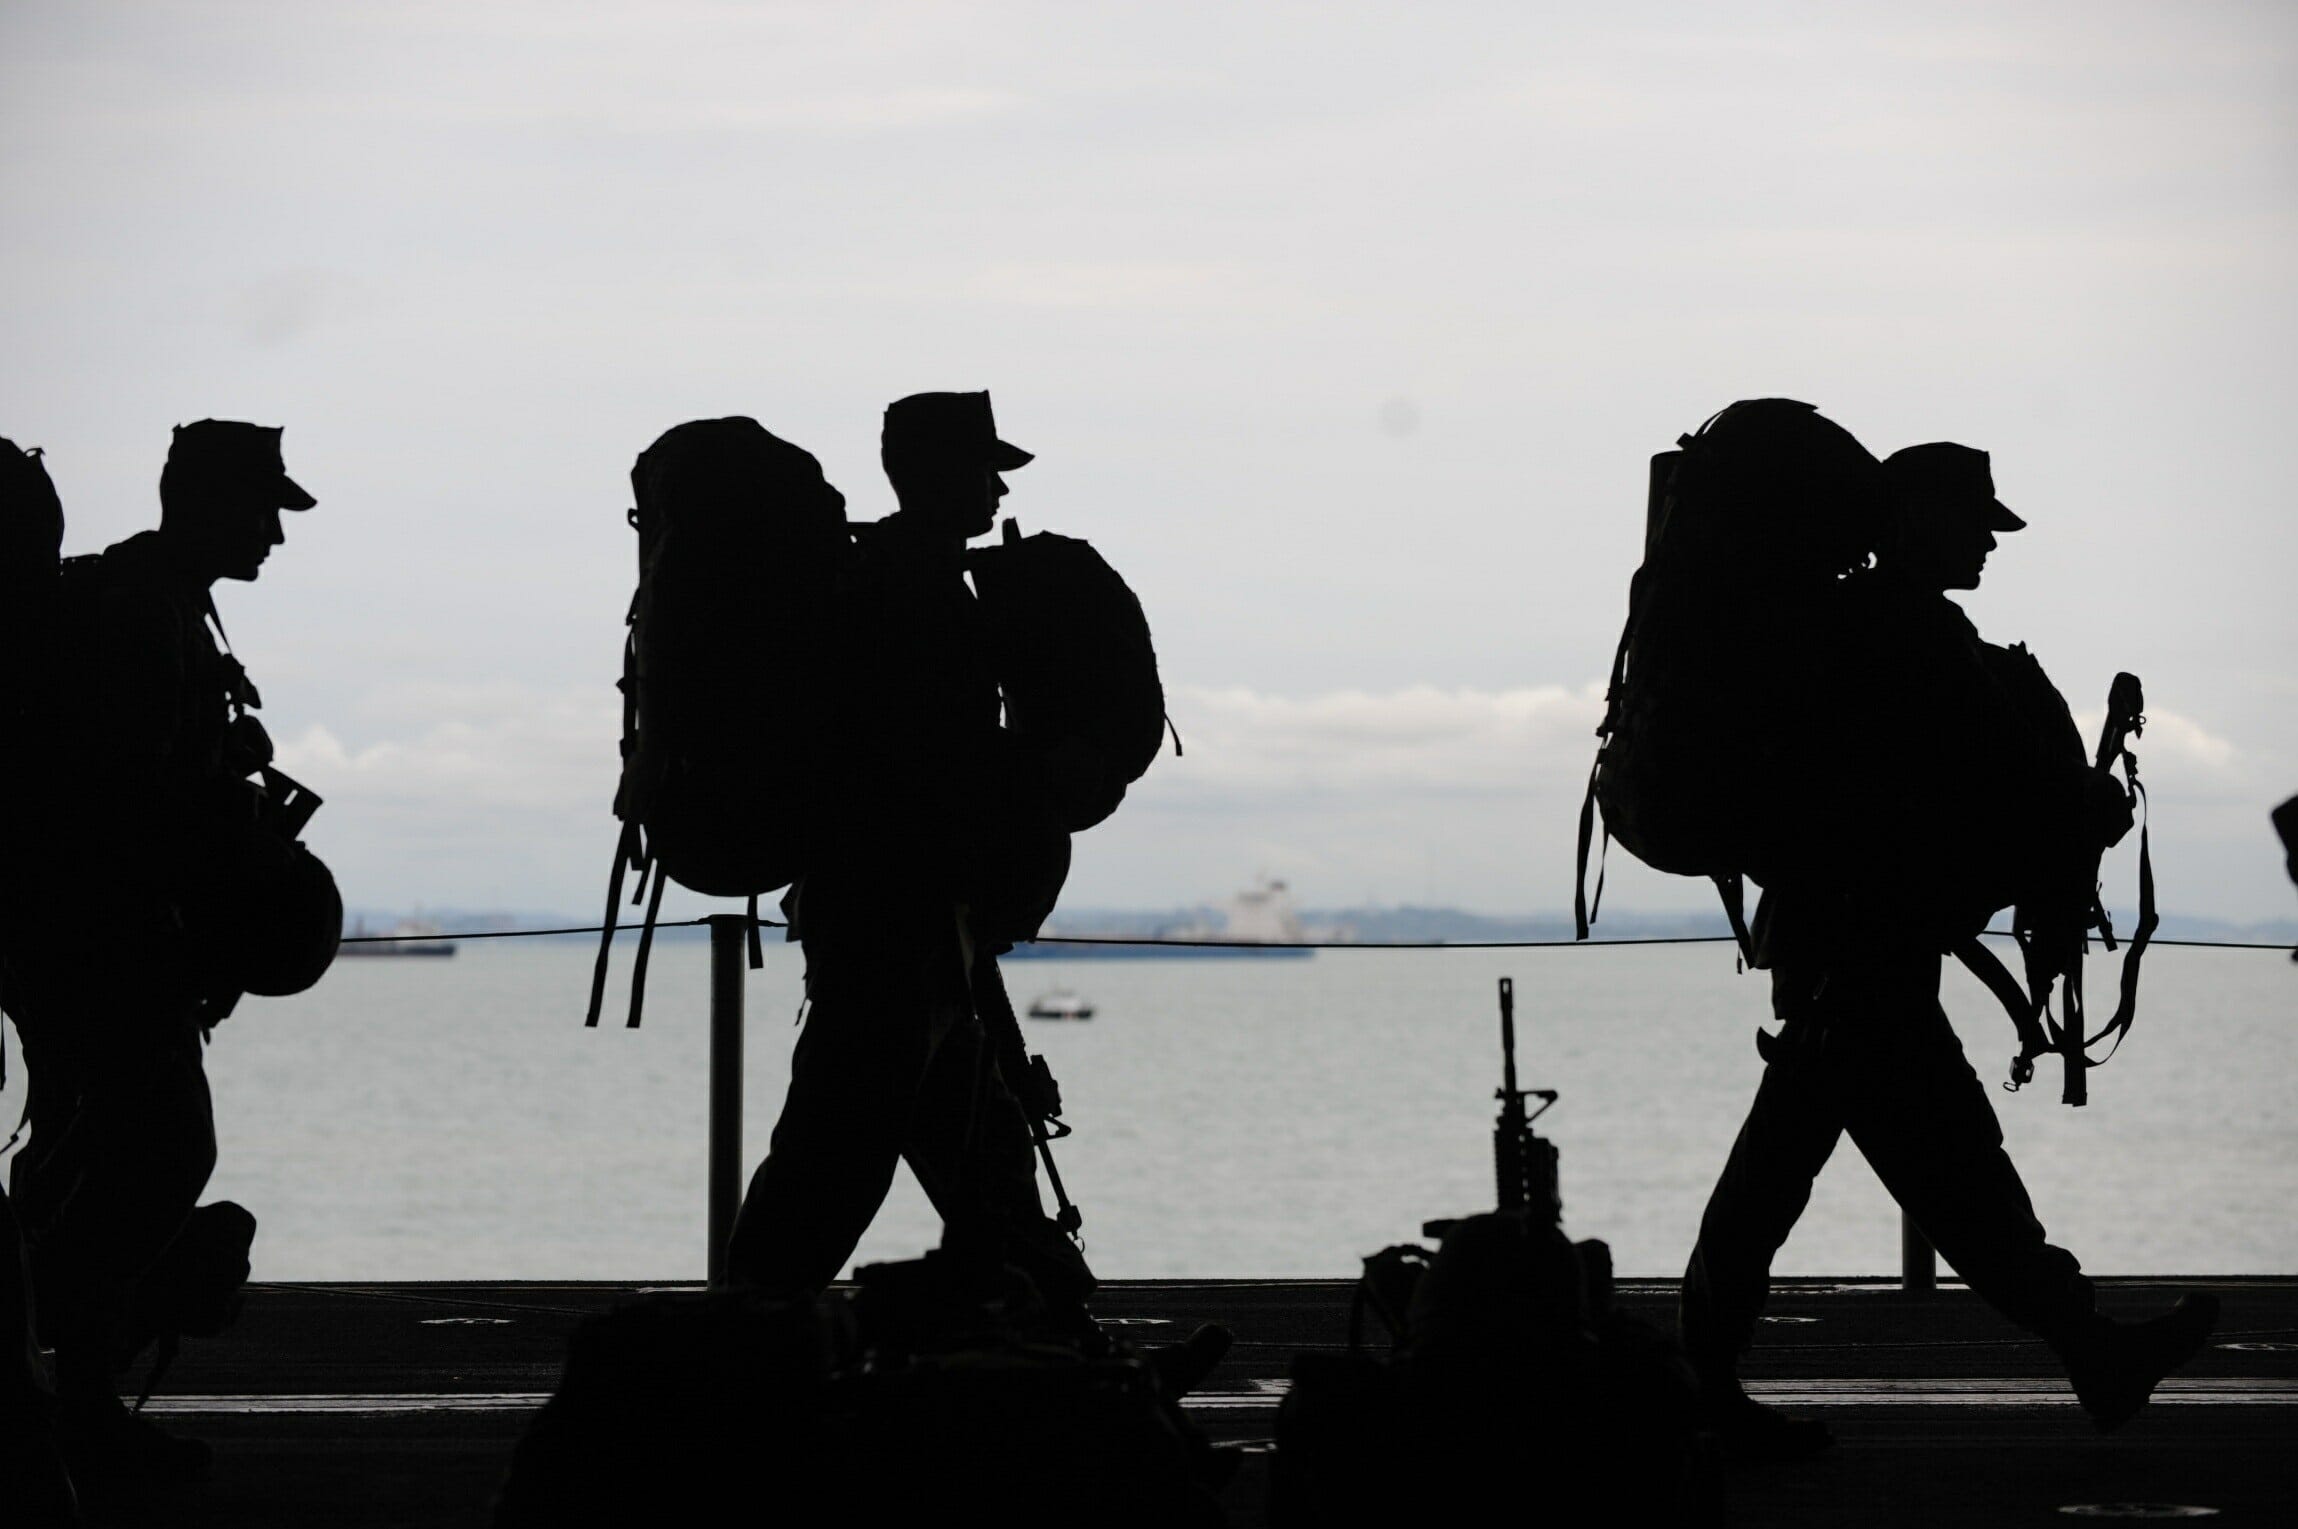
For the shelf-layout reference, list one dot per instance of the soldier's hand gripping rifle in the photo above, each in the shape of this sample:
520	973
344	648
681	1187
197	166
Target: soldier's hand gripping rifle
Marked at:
2053	943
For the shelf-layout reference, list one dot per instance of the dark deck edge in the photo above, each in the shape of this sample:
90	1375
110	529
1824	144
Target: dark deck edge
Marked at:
1889	1283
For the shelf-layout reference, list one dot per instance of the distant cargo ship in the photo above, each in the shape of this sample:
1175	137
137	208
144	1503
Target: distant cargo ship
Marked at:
1257	924
408	938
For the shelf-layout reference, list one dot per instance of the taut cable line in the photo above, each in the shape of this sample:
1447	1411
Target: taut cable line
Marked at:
1203	944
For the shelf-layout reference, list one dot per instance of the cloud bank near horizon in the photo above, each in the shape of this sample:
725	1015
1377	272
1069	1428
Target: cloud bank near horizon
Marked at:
485	795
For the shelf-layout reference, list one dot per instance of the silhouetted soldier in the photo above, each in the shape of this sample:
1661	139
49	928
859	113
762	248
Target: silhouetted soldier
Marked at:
930	832
1946	763
107	980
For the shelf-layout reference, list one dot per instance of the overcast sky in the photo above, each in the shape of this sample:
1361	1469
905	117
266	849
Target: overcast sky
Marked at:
1345	330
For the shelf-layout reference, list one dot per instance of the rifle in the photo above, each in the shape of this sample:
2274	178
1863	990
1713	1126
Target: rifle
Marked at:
1029	1077
288	804
1523	1161
2055	952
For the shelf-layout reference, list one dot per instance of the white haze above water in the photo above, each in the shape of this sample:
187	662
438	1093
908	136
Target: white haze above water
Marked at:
452	1119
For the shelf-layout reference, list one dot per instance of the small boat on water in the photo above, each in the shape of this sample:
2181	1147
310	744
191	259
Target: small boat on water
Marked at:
1061	1003
408	938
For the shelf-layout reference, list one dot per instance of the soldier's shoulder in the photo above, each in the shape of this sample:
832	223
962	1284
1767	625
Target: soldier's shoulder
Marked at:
132	588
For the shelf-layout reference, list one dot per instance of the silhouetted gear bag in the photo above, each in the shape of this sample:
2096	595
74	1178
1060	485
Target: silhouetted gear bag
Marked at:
31	532
742	548
682	1408
265	909
1074	661
1715	732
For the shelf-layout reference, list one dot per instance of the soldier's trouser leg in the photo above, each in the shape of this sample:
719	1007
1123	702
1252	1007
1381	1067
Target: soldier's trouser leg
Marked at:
971	1149
854	1083
1790	1131
122	1143
1874	1054
1923	1120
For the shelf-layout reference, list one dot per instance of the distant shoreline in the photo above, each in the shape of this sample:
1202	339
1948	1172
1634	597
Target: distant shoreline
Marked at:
1369	926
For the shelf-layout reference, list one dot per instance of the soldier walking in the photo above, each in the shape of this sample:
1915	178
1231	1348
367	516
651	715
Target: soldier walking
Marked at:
932	850
1994	781
109	972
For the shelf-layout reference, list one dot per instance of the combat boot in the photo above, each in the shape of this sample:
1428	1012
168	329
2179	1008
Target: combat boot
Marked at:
2117	1366
1748	1430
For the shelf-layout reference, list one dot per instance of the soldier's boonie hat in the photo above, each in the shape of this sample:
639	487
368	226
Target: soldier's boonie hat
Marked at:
233	455
947	426
1954	472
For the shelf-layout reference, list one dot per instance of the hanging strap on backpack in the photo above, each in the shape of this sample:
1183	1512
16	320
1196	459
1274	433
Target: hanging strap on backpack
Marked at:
629	847
1732	889
626	851
1584	907
2126	720
645	935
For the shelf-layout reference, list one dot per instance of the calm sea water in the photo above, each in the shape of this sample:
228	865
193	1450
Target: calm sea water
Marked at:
453	1119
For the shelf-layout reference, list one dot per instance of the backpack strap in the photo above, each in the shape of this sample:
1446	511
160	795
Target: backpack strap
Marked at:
645	937
1585	908
240	691
625	854
2025	1013
2126	1001
1732	889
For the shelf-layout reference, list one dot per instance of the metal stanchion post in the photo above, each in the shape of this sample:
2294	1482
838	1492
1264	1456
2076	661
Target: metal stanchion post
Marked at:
729	937
1918	1260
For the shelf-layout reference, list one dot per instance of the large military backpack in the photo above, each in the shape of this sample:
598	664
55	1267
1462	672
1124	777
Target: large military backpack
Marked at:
1072	653
741	552
1712	760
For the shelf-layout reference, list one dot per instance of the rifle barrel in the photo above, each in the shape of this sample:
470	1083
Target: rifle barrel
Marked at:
1509	1090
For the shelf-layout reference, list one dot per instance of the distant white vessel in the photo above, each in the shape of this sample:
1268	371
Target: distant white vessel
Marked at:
1264	914
1061	1003
409	937
1258	922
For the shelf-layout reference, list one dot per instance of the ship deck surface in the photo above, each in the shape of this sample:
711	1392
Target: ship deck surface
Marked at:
399	1403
